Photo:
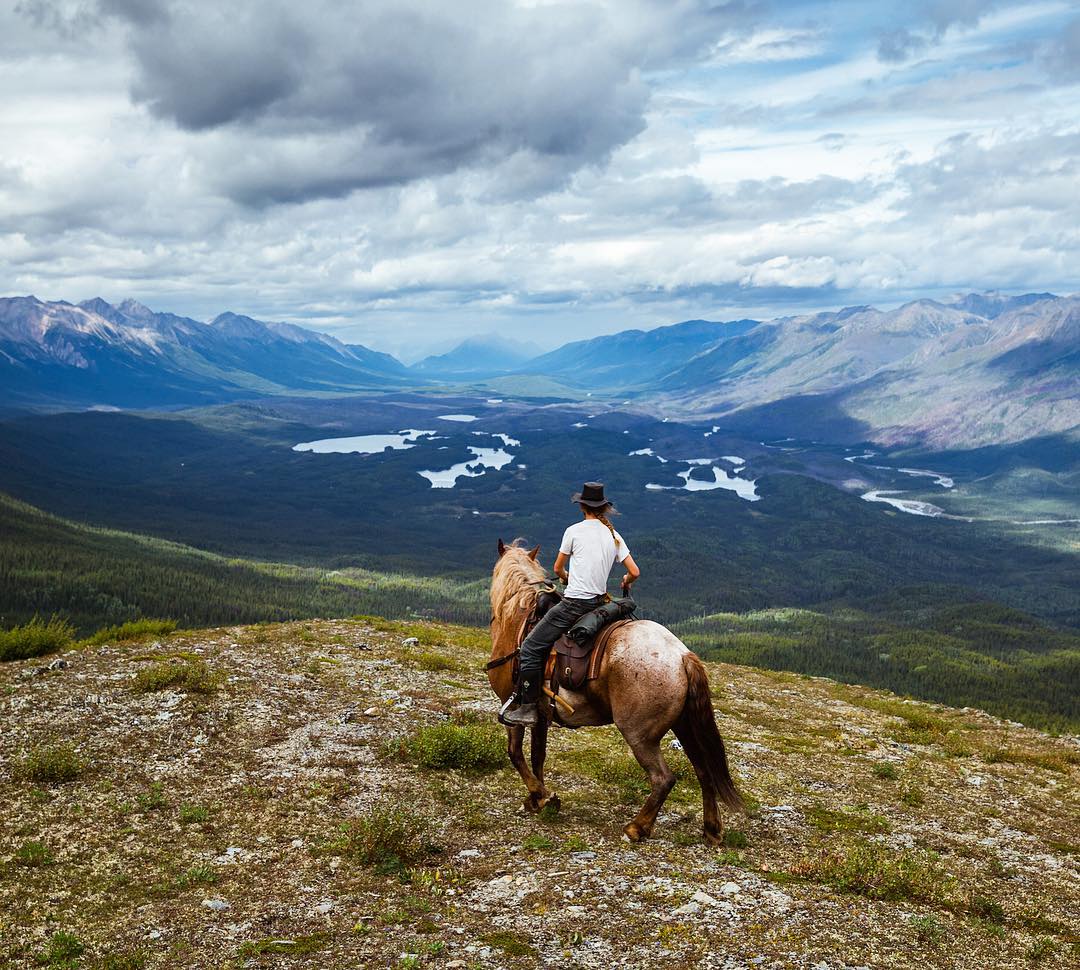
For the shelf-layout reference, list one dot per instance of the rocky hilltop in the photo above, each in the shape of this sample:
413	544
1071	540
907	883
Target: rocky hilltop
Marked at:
333	794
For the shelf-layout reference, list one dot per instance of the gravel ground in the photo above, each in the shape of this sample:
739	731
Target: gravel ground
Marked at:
206	824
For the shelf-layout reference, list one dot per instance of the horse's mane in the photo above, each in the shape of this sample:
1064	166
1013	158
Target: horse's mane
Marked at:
513	585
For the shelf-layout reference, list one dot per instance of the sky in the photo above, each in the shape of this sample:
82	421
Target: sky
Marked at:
404	173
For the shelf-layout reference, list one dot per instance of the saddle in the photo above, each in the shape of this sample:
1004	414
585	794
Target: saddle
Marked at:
577	655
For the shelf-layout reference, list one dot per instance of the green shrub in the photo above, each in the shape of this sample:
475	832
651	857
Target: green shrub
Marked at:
193	814
434	661
1040	949
510	943
202	874
192	676
124	960
388	838
927	928
36	638
33	855
49	764
734	839
857	821
468	746
874	870
63	951
886	770
912	795
153	798
984	908
132	630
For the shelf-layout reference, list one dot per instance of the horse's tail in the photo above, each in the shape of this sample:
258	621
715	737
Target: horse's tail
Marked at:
696	729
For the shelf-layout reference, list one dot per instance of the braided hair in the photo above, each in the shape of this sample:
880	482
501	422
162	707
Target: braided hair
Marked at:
601	514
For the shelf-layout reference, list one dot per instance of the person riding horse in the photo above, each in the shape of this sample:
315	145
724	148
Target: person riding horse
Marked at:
590	548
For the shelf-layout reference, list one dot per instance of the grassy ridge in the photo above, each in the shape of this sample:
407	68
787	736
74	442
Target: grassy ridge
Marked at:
100	577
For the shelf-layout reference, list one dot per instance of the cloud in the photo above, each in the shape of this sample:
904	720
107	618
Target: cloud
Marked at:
399	173
1062	55
900	44
933	19
328	98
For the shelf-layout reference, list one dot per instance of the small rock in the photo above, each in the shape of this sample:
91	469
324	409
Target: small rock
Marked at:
675	744
365	646
731	889
348	715
469	854
217	905
705	899
688	909
324	907
371	712
410	642
455	965
975	780
58	665
297	843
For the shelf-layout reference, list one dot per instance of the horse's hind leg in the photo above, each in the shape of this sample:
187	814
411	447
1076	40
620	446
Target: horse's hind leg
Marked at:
515	737
661	779
713	825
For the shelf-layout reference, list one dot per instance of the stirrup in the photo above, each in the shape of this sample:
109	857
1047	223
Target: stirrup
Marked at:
509	703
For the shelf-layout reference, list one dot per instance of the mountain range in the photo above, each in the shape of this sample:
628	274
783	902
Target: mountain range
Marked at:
978	369
97	354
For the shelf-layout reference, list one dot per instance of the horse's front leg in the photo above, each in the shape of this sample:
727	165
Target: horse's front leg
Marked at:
515	737
537	757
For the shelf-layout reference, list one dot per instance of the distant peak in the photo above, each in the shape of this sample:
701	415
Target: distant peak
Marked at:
133	308
96	305
238	325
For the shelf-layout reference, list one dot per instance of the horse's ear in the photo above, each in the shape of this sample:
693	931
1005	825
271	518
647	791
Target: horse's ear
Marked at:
502	548
534	552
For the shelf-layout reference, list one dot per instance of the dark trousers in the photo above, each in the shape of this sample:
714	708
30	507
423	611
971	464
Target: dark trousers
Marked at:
553	625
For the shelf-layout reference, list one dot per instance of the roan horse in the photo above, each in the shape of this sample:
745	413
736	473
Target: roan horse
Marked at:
649	683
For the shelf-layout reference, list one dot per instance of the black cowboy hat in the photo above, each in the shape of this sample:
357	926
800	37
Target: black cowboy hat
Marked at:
592	495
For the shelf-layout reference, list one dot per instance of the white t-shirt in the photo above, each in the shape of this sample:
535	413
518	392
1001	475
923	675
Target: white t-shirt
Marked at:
592	553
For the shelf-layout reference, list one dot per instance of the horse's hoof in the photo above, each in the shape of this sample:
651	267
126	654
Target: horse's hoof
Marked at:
531	805
551	804
635	833
714	837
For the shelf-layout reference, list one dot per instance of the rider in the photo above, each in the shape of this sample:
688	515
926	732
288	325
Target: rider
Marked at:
590	547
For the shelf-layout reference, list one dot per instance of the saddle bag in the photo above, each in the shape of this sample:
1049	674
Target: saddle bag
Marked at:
593	622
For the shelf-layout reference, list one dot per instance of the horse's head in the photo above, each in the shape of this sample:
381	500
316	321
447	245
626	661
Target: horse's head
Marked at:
517	577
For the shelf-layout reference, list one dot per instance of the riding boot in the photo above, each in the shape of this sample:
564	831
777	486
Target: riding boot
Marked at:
526	714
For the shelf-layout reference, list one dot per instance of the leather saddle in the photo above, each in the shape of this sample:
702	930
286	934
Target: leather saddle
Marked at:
577	655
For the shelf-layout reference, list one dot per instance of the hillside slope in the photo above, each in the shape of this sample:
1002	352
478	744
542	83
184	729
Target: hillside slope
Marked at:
286	802
97	577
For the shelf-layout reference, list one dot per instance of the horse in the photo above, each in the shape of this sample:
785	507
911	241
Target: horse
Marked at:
648	683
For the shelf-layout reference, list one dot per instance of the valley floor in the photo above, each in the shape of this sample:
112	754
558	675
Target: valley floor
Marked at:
332	794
